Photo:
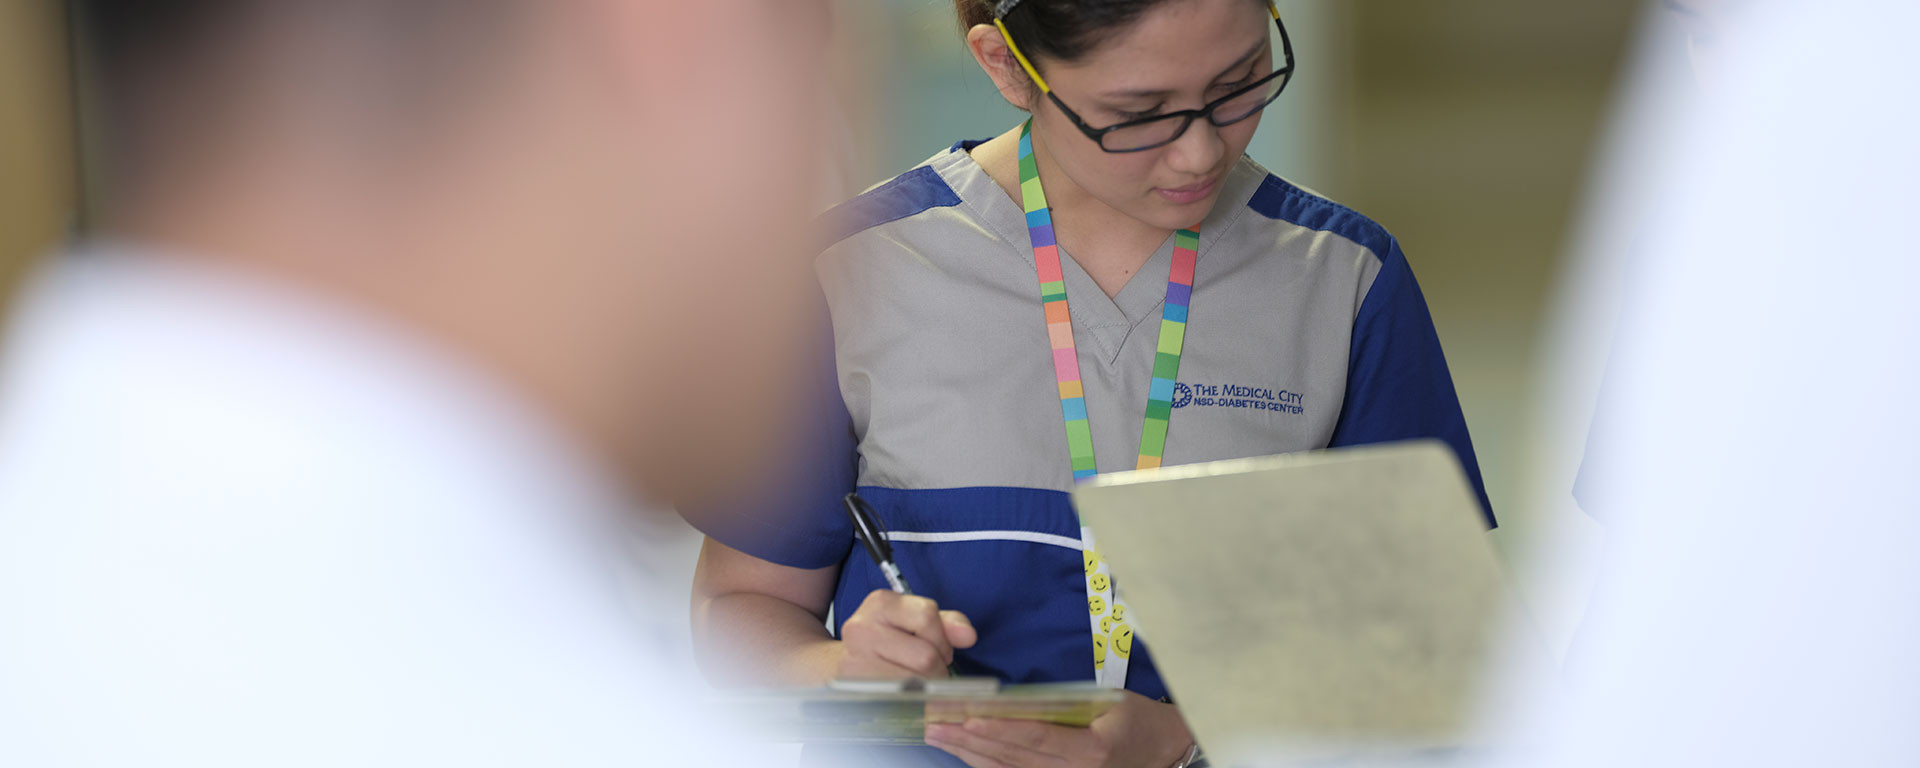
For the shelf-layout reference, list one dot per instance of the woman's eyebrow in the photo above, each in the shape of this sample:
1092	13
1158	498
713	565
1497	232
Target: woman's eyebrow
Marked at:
1141	93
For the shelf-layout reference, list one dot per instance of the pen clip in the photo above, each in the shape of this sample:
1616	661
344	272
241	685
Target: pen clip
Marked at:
867	526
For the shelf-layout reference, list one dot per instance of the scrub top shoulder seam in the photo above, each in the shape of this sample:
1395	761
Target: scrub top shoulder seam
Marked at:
1281	200
909	194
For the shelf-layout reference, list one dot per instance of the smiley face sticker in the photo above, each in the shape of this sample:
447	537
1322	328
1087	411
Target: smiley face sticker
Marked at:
1092	559
1100	650
1106	623
1099	582
1096	604
1122	640
1119	612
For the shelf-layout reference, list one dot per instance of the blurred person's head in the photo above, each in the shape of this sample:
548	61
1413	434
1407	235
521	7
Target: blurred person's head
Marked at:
601	202
1114	61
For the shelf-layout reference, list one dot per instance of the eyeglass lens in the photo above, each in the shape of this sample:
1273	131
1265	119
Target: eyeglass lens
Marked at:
1156	132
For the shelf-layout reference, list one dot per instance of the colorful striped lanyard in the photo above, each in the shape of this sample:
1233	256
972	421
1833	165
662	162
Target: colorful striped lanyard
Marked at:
1066	359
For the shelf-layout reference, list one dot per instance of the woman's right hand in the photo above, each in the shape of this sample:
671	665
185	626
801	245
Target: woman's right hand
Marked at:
894	635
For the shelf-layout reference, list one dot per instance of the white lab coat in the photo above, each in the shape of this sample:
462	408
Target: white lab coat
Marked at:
240	526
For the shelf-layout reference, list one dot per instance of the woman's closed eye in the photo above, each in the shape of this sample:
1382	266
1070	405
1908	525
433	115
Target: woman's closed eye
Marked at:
1226	88
1213	91
1127	116
1243	81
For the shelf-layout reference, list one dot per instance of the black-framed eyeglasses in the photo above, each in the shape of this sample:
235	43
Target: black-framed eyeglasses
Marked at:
1161	130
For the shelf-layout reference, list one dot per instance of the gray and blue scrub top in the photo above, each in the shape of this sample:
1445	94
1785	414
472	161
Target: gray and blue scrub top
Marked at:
1306	331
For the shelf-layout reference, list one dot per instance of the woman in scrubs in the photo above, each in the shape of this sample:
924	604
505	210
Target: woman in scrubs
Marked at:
1109	285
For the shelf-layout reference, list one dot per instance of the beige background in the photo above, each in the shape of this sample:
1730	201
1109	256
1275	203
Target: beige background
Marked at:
37	187
1472	129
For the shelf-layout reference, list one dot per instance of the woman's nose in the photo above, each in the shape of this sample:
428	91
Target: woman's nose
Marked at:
1198	150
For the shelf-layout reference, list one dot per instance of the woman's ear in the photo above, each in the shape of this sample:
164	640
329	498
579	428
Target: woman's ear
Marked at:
996	59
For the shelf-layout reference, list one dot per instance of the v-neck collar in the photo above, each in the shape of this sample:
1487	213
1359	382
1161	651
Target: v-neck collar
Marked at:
1107	321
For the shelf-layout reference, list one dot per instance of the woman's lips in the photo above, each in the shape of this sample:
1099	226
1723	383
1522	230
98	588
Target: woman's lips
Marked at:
1192	193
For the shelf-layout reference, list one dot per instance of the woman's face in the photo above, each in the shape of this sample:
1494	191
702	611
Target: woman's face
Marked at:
1180	55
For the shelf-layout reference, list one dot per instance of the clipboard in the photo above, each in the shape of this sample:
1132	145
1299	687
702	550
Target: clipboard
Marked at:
897	712
1323	606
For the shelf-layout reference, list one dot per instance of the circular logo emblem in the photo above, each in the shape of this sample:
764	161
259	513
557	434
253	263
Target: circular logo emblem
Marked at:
1182	394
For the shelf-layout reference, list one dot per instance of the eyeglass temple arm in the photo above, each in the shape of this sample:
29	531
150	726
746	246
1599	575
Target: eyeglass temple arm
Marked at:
1024	63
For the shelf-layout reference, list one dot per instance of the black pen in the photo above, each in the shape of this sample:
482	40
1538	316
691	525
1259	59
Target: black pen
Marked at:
867	528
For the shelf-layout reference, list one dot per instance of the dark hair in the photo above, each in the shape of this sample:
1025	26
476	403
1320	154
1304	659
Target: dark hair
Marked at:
1061	30
118	34
143	58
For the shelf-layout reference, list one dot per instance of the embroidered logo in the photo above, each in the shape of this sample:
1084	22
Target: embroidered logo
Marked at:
1238	396
1182	394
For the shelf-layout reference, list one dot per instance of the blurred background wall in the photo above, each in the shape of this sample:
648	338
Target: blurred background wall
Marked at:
37	177
1467	128
1473	128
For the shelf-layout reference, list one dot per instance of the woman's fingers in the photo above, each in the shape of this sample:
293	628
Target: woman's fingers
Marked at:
869	640
960	631
912	652
1059	741
919	616
970	746
908	632
912	614
872	667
